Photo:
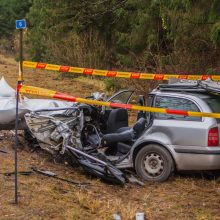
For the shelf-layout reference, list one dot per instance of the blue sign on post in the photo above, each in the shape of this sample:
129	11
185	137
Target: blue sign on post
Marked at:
21	24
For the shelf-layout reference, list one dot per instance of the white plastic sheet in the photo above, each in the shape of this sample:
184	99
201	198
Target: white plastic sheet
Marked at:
8	104
5	89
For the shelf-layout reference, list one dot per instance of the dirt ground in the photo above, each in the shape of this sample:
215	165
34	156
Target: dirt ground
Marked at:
40	197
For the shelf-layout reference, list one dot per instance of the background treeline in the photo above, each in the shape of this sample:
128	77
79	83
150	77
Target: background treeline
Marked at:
139	35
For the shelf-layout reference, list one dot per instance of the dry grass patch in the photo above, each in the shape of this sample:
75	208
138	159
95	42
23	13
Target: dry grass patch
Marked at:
7	60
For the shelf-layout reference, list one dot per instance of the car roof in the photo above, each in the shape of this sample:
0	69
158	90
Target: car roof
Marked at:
181	93
200	89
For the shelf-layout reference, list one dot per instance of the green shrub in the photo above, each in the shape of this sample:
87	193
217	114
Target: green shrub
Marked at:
112	85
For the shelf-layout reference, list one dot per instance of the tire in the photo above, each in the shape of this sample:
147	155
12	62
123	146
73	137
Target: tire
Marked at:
154	163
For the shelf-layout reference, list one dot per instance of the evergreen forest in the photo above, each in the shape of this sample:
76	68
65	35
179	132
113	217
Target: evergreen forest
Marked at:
171	36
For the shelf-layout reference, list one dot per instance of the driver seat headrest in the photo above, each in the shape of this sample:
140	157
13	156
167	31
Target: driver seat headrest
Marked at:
117	118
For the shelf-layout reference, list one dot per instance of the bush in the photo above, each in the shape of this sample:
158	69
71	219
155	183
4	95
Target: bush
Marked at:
112	85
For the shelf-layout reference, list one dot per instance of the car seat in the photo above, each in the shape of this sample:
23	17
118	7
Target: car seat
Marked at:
121	141
117	119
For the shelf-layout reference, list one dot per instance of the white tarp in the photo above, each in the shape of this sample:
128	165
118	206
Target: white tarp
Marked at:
5	89
8	104
8	110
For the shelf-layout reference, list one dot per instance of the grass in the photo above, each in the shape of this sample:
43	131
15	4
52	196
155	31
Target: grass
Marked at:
7	61
182	197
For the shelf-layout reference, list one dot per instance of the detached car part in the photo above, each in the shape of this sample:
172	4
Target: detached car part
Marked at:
54	175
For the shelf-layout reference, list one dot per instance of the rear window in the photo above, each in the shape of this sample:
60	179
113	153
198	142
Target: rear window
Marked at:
214	104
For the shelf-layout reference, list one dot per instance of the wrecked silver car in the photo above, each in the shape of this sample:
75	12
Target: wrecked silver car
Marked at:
100	140
156	145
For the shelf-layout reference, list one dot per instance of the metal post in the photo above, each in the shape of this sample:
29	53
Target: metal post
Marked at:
16	149
20	79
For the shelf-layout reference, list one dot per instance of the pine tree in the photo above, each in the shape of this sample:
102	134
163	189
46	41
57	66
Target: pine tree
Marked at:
11	10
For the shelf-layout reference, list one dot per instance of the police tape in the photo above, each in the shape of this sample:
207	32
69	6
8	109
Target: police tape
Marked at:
119	74
57	95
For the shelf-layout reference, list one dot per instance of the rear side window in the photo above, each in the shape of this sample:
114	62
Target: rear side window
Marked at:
214	104
176	104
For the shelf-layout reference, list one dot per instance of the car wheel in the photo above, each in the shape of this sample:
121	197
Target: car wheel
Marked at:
154	163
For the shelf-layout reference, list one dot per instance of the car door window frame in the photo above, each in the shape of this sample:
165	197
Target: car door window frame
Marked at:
119	93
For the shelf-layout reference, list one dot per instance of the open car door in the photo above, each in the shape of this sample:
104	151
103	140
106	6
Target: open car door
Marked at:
123	96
